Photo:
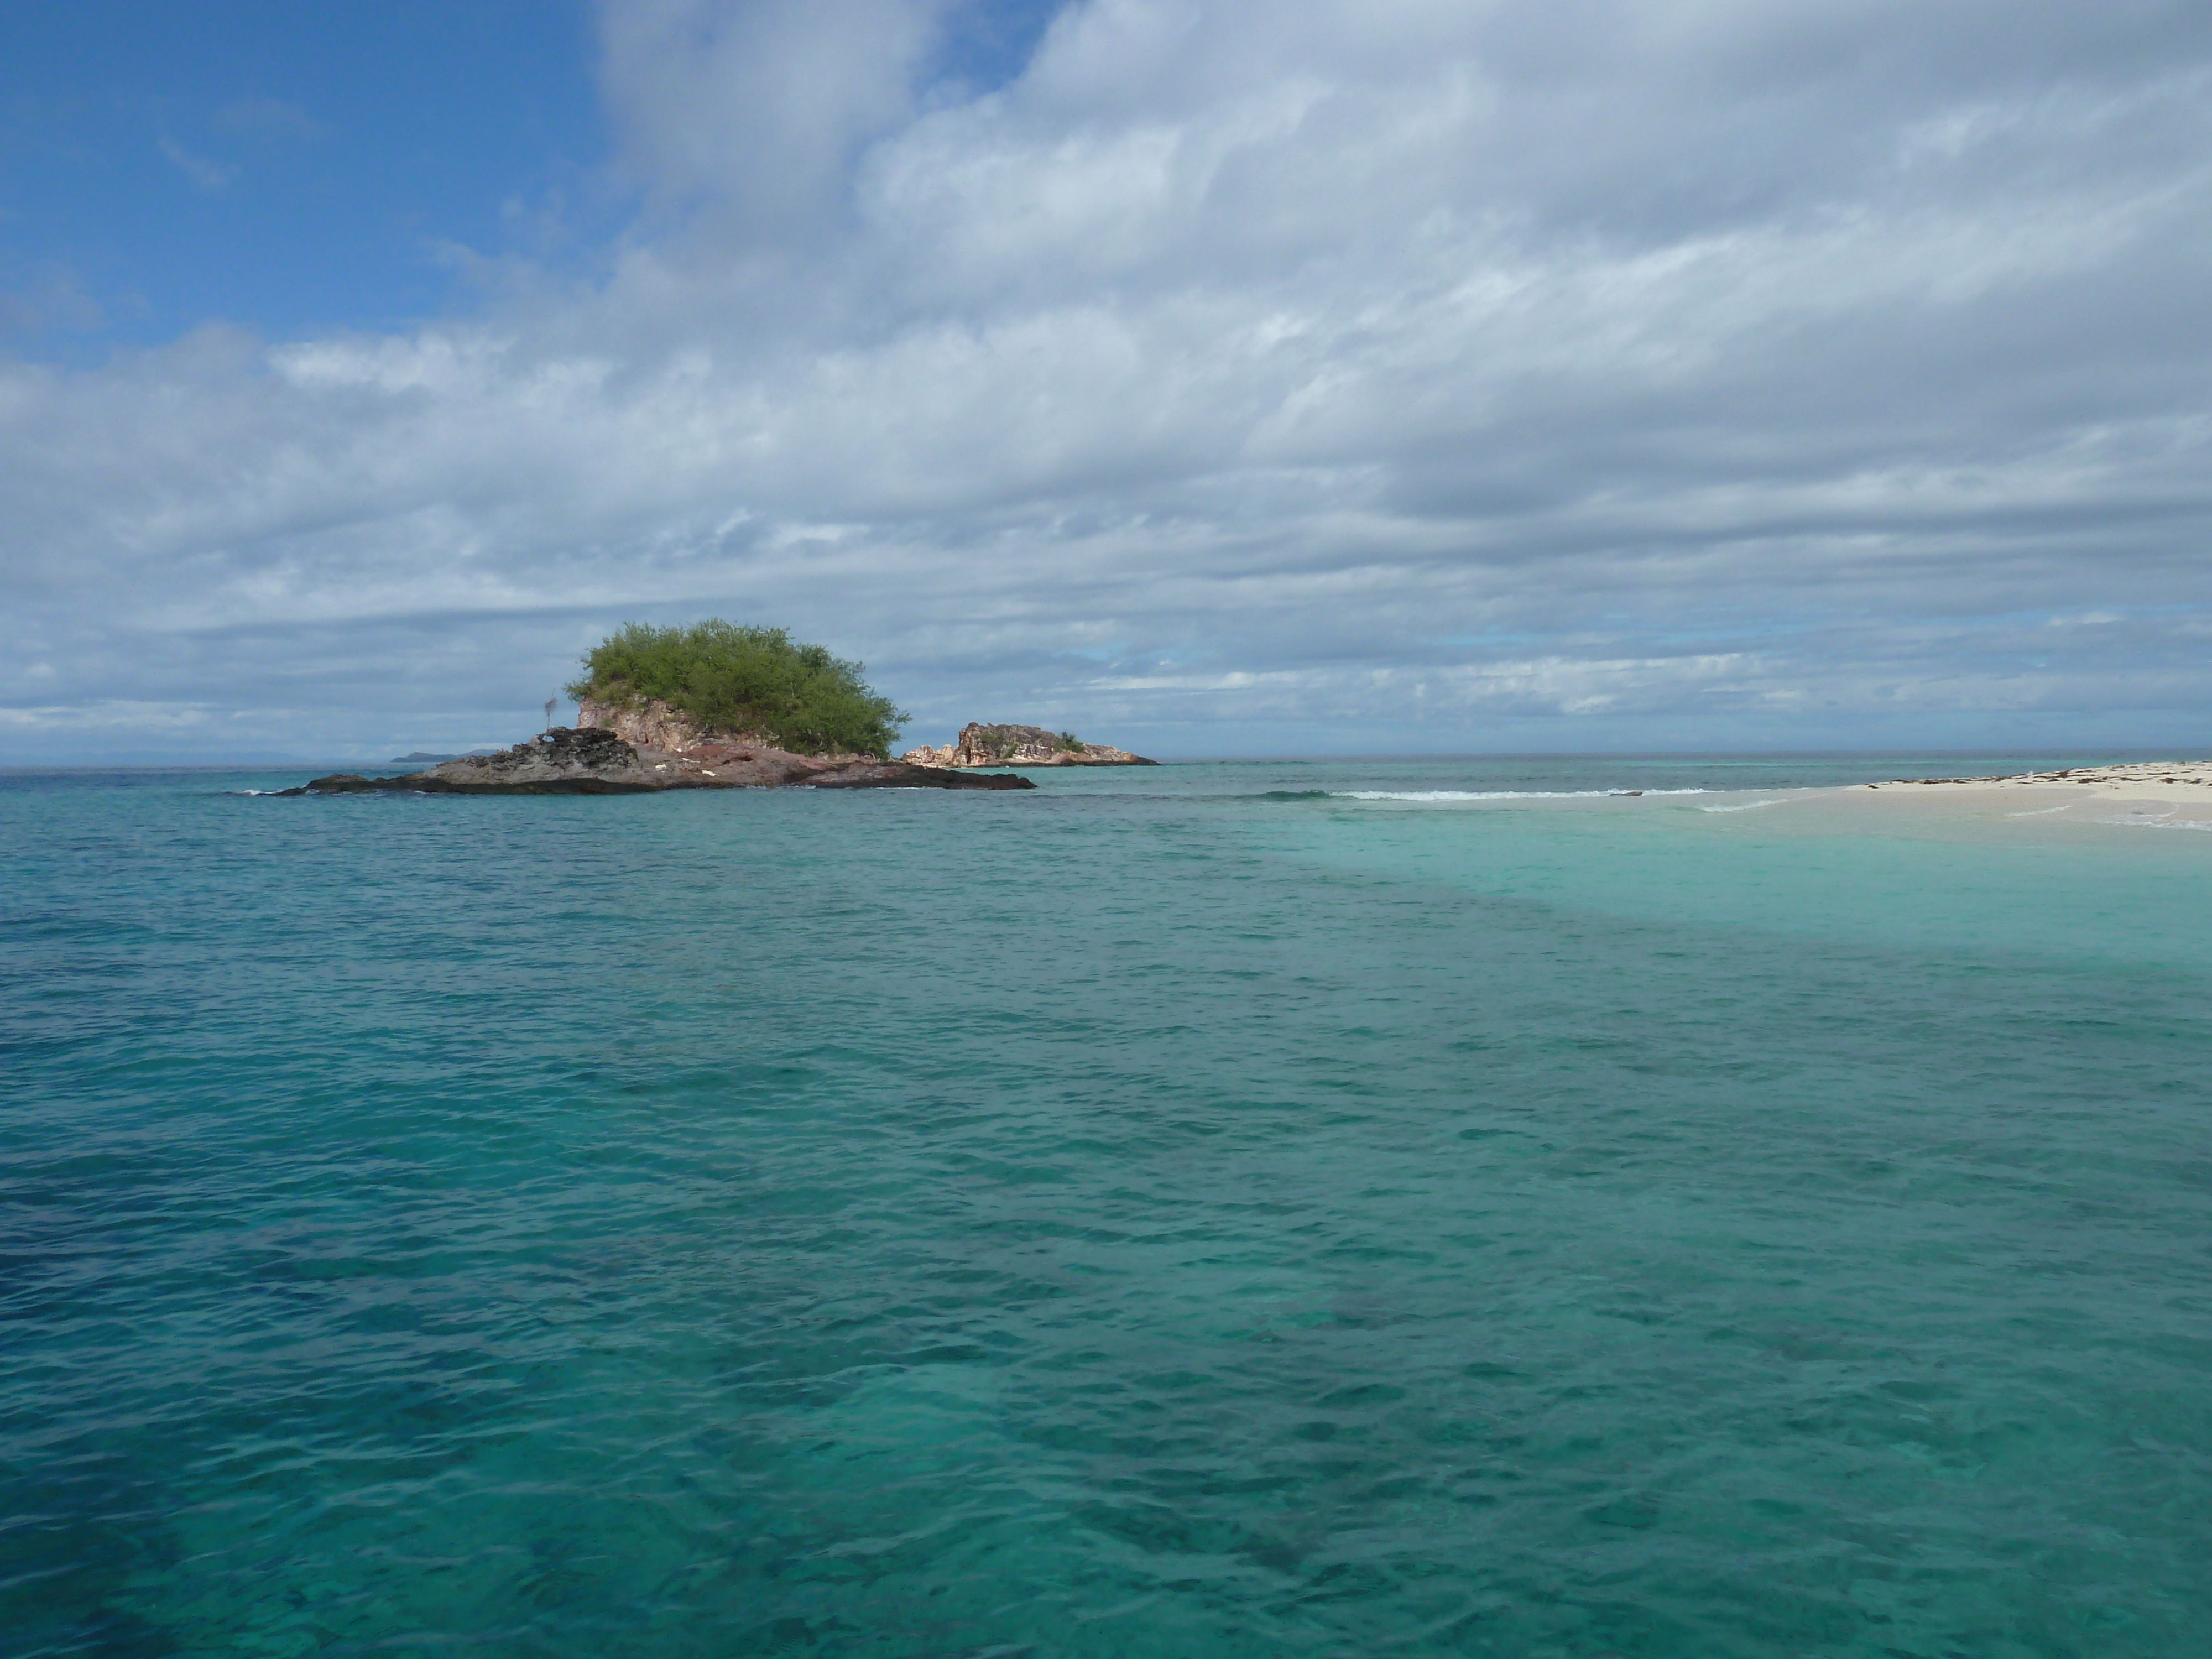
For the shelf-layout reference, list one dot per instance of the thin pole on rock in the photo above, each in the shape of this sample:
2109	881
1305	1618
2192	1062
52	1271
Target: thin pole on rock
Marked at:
550	701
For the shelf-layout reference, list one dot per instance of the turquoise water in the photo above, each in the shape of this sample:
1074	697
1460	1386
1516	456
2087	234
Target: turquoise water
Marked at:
1180	1212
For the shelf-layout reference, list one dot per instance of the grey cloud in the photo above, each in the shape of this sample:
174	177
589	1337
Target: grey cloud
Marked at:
51	300
756	110
1281	374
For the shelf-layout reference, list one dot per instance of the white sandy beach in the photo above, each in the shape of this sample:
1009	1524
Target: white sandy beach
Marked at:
2173	794
2033	806
2180	782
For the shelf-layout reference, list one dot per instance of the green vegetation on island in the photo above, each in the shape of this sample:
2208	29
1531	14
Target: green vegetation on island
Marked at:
755	680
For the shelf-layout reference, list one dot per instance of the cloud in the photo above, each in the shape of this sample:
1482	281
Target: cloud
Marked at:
52	301
269	118
754	113
1461	375
206	174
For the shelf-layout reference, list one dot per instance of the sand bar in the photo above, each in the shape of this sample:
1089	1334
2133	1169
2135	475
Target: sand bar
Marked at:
2179	782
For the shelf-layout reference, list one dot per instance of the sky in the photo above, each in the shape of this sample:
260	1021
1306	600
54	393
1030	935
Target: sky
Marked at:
1209	377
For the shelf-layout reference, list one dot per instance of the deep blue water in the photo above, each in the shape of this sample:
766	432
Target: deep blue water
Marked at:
1191	1211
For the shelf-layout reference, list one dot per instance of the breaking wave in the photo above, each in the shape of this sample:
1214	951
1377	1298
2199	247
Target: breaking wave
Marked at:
1498	794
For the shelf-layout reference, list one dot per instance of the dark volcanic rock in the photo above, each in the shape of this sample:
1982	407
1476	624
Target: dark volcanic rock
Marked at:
897	774
594	761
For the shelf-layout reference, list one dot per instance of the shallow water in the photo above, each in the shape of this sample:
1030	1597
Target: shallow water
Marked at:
1185	1212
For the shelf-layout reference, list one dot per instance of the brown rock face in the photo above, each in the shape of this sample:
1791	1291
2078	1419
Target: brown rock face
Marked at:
654	724
1020	746
596	761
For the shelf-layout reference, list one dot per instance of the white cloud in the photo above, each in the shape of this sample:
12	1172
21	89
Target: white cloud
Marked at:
1774	371
206	174
270	119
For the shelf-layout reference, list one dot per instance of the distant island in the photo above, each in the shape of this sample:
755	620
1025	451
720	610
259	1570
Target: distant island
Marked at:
722	706
595	761
1021	745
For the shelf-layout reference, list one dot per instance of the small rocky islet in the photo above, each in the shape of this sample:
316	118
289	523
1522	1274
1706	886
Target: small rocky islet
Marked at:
621	751
721	706
592	760
1020	746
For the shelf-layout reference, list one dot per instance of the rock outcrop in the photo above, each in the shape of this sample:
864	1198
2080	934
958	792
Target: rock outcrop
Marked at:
652	724
1020	746
596	761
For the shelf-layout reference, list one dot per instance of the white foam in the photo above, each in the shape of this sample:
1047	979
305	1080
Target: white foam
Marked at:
1745	806
2142	823
2042	811
1502	795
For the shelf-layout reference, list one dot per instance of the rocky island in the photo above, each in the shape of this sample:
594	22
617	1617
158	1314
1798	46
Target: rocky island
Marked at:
593	760
714	706
1020	746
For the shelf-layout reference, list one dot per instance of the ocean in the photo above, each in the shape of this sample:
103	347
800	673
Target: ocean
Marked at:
1252	1208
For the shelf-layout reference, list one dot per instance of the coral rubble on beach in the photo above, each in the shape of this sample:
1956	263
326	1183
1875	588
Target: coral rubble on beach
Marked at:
2163	779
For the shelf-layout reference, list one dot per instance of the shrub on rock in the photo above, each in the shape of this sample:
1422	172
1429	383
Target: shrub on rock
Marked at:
750	680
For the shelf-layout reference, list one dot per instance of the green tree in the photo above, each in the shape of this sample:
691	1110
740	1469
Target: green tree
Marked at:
744	679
